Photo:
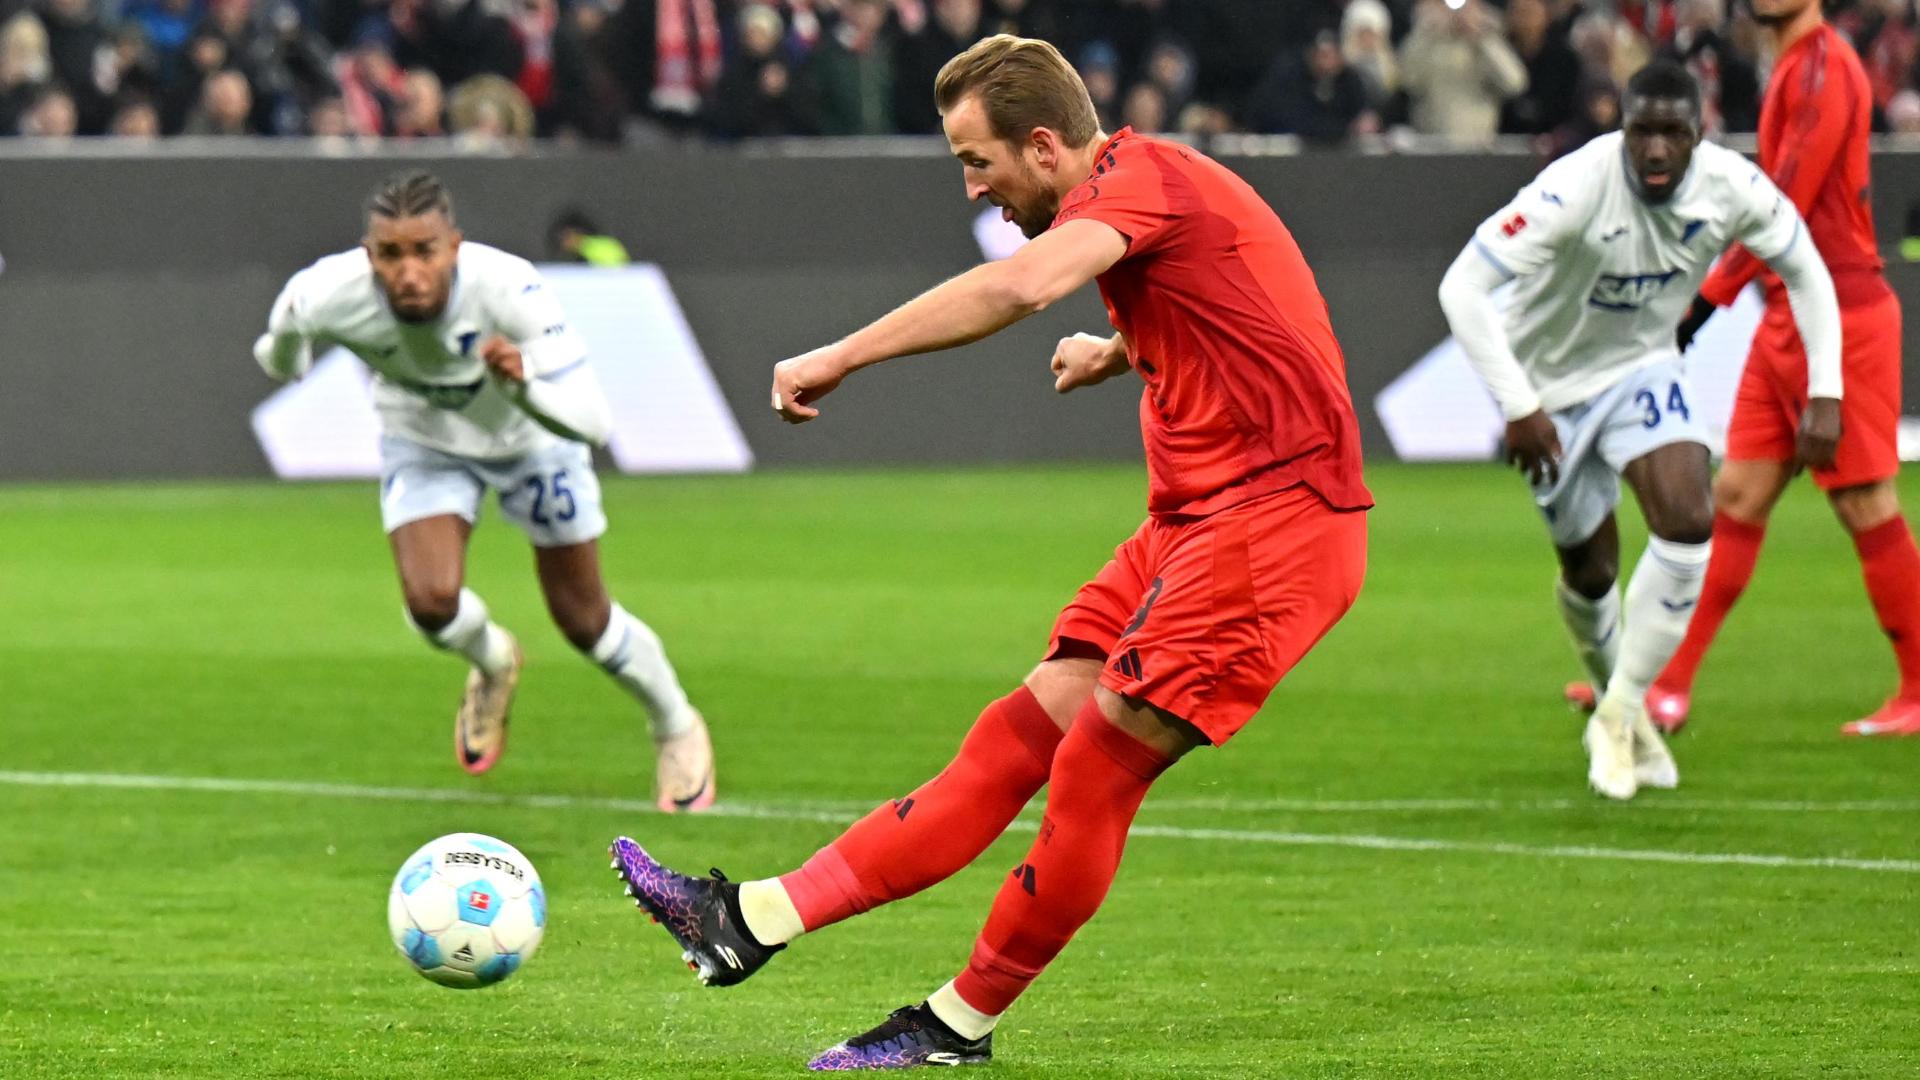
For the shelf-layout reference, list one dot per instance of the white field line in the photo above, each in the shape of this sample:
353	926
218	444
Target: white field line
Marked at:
1231	805
771	812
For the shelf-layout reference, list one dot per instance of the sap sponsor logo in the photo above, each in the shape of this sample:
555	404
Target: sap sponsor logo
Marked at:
669	415
488	862
1629	292
1438	410
554	330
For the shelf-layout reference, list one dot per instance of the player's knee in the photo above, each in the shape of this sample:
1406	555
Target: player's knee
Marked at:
1062	685
1867	507
1739	500
432	605
1684	525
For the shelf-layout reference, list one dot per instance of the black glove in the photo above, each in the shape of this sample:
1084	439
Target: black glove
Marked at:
1697	317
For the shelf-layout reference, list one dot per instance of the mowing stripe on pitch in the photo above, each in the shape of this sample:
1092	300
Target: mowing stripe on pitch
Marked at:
769	812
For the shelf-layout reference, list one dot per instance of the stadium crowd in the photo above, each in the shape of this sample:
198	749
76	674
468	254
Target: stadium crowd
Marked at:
501	71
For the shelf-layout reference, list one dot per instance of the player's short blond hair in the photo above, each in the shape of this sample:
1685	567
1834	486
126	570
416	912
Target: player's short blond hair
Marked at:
1024	83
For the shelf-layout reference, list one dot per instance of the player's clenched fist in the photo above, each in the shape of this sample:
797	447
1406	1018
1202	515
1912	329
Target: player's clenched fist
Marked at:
803	380
503	358
1083	360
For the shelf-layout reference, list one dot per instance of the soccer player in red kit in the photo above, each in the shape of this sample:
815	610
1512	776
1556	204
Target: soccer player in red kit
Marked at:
1253	547
1813	143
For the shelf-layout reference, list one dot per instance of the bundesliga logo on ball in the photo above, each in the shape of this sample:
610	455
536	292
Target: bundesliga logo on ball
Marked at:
467	910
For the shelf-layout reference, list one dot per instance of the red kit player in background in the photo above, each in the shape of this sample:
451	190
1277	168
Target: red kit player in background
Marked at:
1253	547
1813	143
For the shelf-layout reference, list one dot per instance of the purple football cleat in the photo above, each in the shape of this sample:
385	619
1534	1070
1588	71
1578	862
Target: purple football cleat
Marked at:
912	1037
702	914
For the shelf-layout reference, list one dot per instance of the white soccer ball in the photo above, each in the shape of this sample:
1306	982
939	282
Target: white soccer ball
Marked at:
467	910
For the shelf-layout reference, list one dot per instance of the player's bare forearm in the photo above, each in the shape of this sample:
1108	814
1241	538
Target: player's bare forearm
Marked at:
962	310
965	309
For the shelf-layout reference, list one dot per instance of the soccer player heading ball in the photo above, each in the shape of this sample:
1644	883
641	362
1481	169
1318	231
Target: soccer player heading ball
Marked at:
1606	248
481	384
1253	547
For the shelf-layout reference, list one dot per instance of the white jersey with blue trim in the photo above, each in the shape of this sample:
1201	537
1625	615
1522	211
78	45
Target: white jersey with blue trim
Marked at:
430	385
1602	277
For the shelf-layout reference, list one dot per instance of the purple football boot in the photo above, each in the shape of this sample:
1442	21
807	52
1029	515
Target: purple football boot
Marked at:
702	914
911	1037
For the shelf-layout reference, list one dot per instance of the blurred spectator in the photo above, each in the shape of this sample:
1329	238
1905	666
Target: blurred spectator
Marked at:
1317	96
490	113
51	114
137	118
226	107
573	237
1145	109
1729	87
669	52
1100	70
1553	72
1170	66
132	68
168	25
849	83
370	80
598	110
81	48
952	27
419	109
1888	47
180	93
1458	69
756	95
1598	113
1366	40
327	119
25	66
1607	46
1903	113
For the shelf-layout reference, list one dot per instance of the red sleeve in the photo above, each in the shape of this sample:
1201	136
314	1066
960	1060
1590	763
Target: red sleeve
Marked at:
1820	110
1131	195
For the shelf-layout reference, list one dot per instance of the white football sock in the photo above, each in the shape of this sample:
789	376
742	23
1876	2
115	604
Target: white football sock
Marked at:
631	652
953	1011
1594	626
473	635
769	912
1661	596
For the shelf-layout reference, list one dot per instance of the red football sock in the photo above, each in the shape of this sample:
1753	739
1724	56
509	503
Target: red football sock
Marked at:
1099	778
921	839
1891	564
1736	547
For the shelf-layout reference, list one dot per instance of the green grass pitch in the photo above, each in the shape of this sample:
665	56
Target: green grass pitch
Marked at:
841	631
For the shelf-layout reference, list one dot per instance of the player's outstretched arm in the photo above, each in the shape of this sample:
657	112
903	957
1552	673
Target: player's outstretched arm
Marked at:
965	309
284	351
567	402
1466	295
1816	312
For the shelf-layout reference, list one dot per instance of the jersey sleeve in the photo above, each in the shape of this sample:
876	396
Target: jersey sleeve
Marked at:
1131	197
1767	224
1531	230
529	314
285	351
1820	109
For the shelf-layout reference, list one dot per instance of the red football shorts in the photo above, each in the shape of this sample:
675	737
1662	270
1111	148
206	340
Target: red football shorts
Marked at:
1202	617
1773	394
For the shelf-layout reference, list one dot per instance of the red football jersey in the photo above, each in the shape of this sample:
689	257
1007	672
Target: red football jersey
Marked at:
1813	143
1246	387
